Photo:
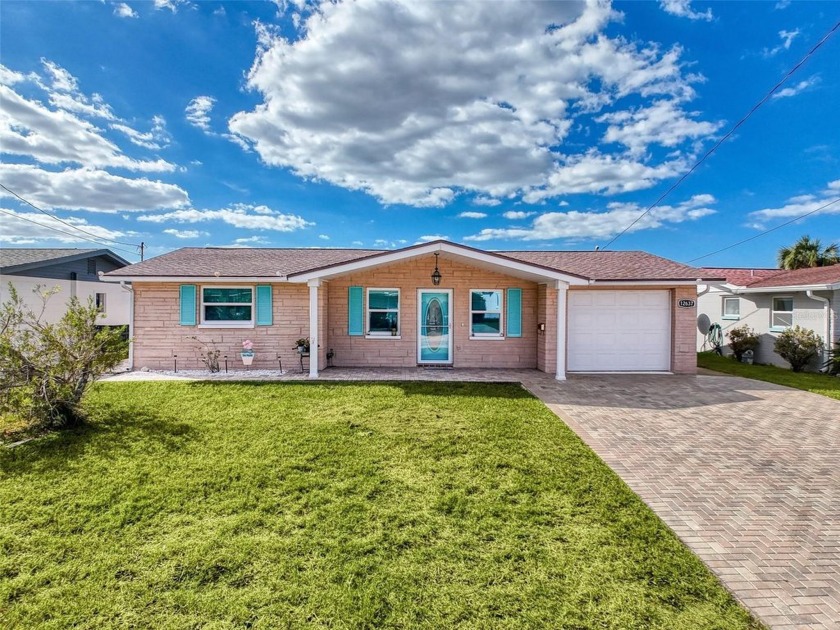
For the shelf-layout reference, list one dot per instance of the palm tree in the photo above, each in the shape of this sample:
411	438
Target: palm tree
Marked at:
807	253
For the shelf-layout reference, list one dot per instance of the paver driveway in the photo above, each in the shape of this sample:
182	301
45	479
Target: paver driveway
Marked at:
746	473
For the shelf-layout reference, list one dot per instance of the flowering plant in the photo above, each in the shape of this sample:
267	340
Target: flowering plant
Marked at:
247	347
303	342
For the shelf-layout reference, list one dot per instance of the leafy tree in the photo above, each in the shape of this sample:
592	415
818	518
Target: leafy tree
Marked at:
798	346
741	339
45	368
807	253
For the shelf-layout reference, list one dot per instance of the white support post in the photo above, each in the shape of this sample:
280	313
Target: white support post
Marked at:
562	293
313	327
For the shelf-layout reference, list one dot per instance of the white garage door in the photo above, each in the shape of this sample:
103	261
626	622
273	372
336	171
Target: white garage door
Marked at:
619	331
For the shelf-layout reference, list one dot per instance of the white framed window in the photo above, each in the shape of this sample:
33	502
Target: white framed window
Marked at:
99	300
383	312
227	307
486	313
782	314
731	308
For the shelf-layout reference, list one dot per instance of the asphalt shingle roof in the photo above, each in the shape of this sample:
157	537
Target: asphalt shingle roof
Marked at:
596	265
804	277
741	276
268	262
13	256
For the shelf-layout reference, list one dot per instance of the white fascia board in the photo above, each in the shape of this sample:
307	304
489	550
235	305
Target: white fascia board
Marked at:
645	283
502	262
197	279
790	289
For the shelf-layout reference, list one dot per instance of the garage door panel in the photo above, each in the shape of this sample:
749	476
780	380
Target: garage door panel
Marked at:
619	331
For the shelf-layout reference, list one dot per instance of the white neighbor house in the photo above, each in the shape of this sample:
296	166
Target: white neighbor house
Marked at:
769	301
75	272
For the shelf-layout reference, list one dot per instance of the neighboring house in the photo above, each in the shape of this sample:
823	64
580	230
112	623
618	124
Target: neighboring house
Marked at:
75	272
616	311
769	301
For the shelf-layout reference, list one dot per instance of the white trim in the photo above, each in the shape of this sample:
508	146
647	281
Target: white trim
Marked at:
562	332
130	289
383	337
723	313
501	333
313	328
790	288
196	279
450	304
227	323
505	264
645	283
489	337
379	335
781	328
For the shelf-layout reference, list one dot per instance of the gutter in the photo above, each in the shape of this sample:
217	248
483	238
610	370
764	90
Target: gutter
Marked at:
827	316
130	289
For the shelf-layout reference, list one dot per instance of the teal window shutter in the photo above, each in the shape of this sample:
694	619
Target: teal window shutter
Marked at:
355	311
514	312
188	295
264	312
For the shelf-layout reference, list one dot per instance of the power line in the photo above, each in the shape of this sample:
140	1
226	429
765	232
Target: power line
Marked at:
728	134
752	238
50	227
59	219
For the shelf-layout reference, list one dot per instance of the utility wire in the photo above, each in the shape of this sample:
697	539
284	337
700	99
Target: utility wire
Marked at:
728	134
752	238
52	216
49	227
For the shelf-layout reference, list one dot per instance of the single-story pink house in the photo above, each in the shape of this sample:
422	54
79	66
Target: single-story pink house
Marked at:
438	303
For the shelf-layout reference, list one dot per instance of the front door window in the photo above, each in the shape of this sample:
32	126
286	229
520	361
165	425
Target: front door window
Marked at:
435	338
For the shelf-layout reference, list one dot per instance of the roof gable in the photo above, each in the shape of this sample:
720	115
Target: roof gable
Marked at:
15	259
801	277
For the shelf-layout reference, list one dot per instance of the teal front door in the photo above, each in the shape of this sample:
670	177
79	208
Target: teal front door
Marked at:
434	343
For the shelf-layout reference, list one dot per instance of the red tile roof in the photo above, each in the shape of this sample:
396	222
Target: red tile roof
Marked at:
741	276
801	277
270	262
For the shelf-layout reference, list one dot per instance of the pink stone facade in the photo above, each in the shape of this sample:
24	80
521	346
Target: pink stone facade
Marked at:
158	335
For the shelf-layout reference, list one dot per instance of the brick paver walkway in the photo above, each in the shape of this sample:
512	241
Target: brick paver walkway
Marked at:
746	473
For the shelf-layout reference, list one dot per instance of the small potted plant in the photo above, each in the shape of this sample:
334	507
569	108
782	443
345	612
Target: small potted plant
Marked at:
247	353
302	345
393	331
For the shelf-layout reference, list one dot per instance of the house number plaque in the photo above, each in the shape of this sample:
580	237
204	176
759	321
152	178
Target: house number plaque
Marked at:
687	303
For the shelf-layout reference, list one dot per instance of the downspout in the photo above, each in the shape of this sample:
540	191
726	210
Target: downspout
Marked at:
827	330
130	289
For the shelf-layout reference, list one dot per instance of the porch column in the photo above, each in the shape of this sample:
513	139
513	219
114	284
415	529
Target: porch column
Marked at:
313	327
562	293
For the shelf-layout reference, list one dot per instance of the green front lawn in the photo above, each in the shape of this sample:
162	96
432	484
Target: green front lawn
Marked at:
809	381
432	505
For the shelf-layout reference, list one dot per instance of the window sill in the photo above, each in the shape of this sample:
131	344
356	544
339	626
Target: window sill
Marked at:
779	329
389	336
224	325
731	317
487	338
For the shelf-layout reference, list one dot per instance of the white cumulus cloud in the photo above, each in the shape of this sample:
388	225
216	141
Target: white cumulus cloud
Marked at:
799	205
682	8
124	11
576	224
90	189
29	228
797	89
472	215
418	102
198	111
185	234
237	215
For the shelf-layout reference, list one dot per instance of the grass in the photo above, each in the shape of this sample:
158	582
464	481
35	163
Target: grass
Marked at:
420	505
822	384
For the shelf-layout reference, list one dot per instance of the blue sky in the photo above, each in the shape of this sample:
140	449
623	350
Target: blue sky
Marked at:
498	125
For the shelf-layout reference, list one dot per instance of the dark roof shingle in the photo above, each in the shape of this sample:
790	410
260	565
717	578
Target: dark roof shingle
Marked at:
801	277
13	256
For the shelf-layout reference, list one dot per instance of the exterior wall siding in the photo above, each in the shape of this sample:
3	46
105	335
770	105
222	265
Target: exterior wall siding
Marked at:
756	311
358	351
158	335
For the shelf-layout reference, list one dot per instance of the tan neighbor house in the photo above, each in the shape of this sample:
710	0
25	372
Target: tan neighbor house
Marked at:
615	311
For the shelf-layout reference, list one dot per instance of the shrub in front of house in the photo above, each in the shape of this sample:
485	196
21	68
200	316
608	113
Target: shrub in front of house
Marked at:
741	339
798	346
